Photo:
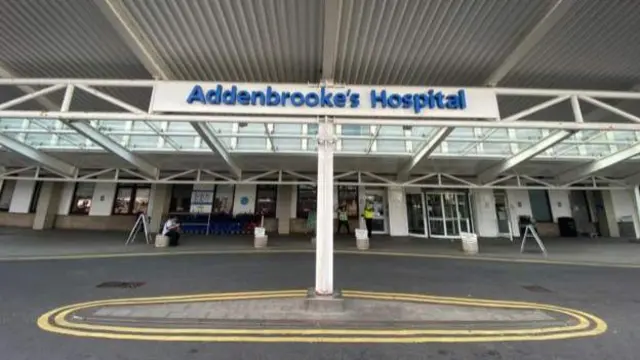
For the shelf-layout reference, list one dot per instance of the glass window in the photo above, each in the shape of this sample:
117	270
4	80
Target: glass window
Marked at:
141	201
6	193
180	198
254	142
223	199
131	199
540	207
266	196
36	196
81	203
355	144
348	195
306	200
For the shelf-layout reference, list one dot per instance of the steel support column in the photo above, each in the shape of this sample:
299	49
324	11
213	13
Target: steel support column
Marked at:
635	194
324	213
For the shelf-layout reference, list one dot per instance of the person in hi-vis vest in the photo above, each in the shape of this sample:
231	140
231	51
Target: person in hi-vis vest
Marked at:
368	217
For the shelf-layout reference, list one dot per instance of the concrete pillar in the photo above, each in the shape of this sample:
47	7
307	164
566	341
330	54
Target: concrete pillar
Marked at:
283	208
610	210
483	207
22	194
158	205
398	222
635	193
324	214
47	207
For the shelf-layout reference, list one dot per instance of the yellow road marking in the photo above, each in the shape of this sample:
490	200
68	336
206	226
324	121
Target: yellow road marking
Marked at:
55	321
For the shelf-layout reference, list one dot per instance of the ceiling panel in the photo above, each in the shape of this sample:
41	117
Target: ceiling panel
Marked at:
435	42
595	46
234	40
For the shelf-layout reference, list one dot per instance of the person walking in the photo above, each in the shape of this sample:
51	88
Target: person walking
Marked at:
368	217
343	219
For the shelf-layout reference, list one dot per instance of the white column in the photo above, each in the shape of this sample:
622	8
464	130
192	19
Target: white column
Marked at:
398	222
324	213
283	208
47	206
22	194
636	211
158	206
610	210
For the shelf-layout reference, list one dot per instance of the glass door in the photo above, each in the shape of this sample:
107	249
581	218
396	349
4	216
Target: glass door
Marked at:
416	214
379	201
502	212
435	211
448	214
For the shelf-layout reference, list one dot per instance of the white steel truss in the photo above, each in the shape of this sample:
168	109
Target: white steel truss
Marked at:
129	30
82	122
289	177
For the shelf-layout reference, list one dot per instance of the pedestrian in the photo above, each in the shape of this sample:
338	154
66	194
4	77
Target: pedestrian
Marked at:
343	219
368	217
171	230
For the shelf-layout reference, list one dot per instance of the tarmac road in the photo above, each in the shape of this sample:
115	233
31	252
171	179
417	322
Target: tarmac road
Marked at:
30	288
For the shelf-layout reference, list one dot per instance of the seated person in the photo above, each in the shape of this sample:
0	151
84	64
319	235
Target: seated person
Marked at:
171	230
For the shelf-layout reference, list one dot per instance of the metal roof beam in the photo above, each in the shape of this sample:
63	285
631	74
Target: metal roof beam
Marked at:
330	36
524	155
108	144
553	17
125	25
593	167
47	161
426	149
216	145
130	32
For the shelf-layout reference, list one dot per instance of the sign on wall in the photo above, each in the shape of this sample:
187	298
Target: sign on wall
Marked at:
300	99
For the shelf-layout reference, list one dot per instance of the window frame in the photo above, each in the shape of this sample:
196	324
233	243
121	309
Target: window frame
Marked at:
299	213
35	197
3	188
134	190
74	200
548	206
267	187
341	189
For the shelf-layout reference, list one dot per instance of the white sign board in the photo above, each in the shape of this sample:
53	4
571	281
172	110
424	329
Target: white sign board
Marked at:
307	100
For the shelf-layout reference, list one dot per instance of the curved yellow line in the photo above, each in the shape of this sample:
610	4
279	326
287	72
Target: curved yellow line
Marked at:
60	314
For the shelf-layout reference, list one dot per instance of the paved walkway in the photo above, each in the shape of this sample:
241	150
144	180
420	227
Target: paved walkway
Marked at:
21	244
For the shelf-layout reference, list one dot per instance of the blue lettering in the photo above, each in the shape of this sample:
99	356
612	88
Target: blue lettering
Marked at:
273	98
394	101
196	94
297	99
258	96
382	99
407	101
325	97
355	100
285	95
439	100
312	99
229	96
243	97
432	102
462	95
419	102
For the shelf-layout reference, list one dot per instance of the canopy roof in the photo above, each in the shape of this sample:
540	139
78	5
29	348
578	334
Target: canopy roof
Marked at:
542	44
